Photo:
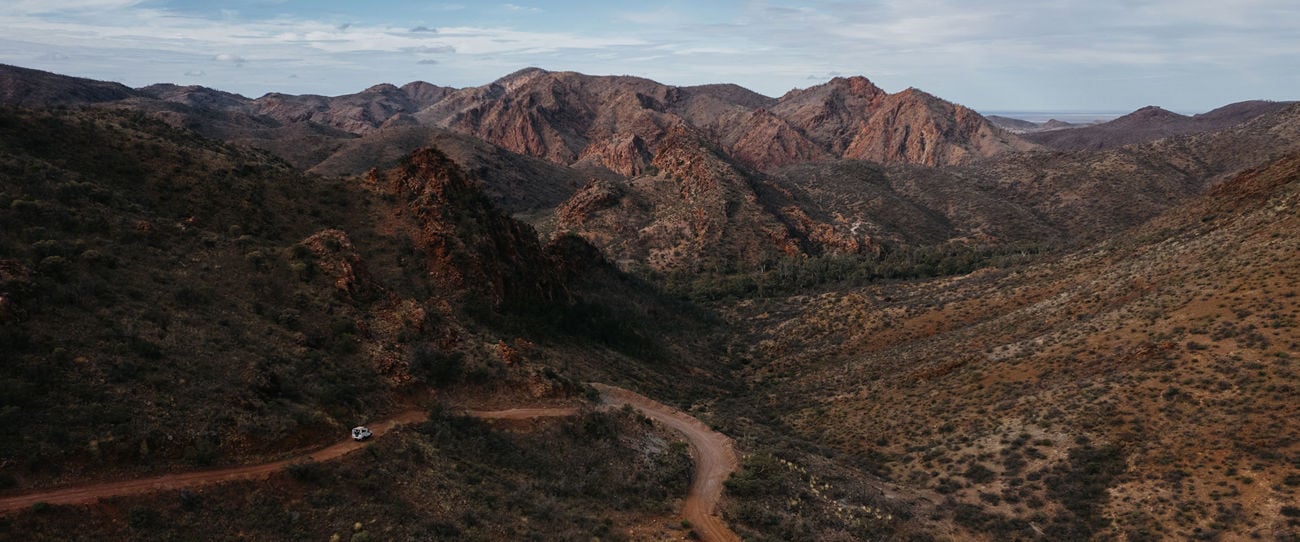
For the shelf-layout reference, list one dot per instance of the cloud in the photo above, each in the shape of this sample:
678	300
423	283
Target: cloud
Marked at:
828	75
195	73
430	49
994	51
427	62
521	9
661	16
35	7
230	59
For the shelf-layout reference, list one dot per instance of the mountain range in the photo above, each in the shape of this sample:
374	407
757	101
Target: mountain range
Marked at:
667	178
914	322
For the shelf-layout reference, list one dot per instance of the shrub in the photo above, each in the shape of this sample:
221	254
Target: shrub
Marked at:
306	471
979	474
54	266
437	367
142	517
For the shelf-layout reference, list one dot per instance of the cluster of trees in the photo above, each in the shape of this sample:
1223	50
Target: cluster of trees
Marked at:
798	274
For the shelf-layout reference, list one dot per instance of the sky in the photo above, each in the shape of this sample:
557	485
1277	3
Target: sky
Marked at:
992	55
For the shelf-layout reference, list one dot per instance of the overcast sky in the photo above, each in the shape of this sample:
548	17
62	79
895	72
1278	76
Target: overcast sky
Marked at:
1054	55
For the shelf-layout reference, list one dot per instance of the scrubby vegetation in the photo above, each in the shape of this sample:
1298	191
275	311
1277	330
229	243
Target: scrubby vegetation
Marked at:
451	478
790	276
129	246
1143	388
170	302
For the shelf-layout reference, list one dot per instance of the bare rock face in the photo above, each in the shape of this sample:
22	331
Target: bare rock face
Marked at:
852	118
338	259
527	112
913	127
699	210
598	195
625	154
767	142
831	114
472	247
387	321
827	238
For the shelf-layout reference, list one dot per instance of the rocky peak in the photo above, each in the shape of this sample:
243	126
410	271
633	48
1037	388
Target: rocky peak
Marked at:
857	85
381	88
914	127
473	249
521	78
424	94
1151	113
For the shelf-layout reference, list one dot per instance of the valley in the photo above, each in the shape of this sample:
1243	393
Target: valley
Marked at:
874	315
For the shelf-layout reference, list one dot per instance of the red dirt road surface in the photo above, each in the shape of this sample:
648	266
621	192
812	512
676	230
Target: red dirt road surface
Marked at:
91	493
715	460
714	457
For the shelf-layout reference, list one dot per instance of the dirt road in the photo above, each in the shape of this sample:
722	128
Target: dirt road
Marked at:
714	458
91	493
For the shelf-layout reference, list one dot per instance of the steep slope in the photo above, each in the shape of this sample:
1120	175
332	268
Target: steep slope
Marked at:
1141	388
566	116
852	118
168	301
515	183
471	246
173	300
913	127
697	212
35	88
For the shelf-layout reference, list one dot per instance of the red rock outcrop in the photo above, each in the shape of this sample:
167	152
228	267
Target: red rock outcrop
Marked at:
585	203
912	127
472	247
767	141
625	154
833	113
339	260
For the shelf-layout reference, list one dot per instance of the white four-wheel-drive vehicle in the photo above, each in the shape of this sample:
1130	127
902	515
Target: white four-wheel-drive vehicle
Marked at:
360	433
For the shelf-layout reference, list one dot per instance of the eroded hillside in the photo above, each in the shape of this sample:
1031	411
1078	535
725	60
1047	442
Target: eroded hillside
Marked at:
1145	388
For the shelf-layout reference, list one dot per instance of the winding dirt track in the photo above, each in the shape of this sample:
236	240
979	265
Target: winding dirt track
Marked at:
714	458
90	493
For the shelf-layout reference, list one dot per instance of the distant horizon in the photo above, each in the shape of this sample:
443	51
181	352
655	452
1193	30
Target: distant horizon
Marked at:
1109	55
1072	115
